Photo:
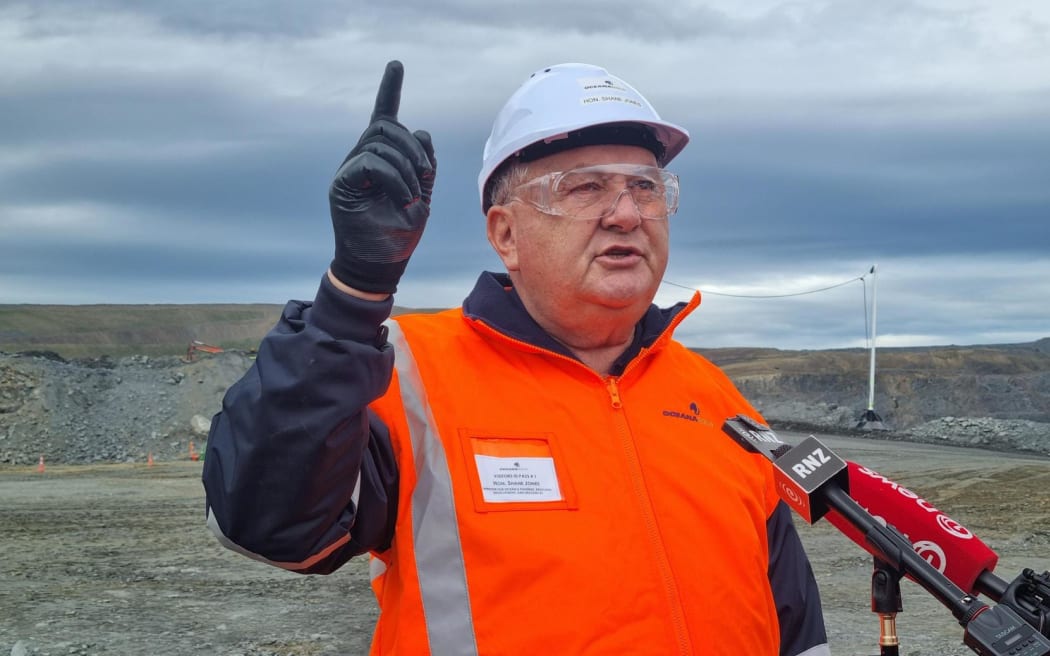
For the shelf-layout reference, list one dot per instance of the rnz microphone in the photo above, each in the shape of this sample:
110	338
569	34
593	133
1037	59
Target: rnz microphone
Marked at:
803	473
943	542
813	481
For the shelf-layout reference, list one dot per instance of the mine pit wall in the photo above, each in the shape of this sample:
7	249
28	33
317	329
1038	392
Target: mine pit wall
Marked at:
123	410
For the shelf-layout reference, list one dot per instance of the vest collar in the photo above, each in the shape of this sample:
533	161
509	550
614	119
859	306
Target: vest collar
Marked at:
495	302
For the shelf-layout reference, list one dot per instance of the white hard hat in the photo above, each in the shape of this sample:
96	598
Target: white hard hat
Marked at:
557	101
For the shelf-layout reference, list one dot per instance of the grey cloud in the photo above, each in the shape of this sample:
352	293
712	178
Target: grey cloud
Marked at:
800	23
215	267
635	20
979	186
252	183
217	165
149	108
230	17
920	301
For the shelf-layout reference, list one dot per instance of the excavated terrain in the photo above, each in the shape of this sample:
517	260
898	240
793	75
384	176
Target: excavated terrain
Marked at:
115	559
104	553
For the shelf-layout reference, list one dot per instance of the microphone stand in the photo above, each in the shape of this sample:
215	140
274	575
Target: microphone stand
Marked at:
886	603
1028	595
989	630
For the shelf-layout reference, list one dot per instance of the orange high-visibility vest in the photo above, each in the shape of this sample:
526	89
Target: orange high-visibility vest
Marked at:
548	509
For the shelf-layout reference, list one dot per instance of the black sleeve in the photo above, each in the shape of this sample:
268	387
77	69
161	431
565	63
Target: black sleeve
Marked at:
297	471
794	588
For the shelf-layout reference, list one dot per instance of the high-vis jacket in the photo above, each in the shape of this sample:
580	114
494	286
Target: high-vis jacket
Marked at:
514	500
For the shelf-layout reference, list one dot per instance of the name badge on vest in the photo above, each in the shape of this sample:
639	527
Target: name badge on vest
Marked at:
516	471
517	478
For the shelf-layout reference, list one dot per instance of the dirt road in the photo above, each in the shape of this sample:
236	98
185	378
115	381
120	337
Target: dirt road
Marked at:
115	559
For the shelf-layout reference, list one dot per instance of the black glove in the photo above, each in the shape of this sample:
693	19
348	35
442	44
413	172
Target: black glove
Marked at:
380	197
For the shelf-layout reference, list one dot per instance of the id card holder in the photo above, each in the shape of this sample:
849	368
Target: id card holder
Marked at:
516	472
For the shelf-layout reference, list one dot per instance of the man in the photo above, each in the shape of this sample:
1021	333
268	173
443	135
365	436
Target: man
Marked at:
543	469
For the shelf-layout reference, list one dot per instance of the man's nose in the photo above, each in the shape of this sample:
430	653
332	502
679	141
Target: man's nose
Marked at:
625	215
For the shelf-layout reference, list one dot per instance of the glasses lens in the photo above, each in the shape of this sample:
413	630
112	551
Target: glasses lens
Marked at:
594	192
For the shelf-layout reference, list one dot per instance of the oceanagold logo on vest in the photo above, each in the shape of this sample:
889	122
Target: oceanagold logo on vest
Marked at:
692	413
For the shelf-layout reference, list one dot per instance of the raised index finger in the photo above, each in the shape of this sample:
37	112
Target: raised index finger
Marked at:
388	98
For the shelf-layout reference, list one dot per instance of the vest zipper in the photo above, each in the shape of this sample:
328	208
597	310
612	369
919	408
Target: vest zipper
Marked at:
614	392
612	387
681	632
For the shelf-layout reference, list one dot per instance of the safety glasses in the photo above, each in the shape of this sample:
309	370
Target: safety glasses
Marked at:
594	192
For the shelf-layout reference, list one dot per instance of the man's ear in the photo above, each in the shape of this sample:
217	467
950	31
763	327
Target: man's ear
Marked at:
501	233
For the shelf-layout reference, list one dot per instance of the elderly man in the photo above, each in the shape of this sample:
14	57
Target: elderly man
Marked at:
542	470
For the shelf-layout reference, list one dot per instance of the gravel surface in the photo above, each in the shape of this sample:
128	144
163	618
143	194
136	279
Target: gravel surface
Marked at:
103	554
115	559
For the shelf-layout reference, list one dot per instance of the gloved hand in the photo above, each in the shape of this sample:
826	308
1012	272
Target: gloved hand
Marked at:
380	197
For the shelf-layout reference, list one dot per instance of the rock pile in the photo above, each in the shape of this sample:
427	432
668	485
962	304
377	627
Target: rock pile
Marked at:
118	410
103	410
1006	434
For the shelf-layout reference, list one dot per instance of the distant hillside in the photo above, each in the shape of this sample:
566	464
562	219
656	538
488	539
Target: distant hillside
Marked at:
912	385
980	359
79	331
119	330
116	386
74	331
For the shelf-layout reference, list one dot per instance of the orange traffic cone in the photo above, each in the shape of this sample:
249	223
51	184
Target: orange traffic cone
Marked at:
149	459
193	453
40	465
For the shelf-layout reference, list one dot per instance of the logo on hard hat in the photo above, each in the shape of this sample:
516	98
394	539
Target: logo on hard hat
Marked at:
601	83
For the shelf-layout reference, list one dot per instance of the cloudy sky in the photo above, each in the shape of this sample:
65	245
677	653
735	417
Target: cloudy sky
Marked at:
181	151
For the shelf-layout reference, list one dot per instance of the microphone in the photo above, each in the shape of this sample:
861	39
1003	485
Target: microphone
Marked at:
813	480
947	545
941	541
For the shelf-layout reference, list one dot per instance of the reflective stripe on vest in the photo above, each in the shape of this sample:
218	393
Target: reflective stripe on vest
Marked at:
435	534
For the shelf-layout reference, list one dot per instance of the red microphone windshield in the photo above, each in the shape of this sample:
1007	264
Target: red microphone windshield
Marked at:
943	542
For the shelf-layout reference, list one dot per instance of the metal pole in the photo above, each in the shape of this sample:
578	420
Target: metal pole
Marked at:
871	374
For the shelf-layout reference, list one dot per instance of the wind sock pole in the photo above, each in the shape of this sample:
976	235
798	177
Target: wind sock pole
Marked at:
870	420
874	312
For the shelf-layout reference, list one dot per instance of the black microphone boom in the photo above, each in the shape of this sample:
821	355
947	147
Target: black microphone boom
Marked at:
811	479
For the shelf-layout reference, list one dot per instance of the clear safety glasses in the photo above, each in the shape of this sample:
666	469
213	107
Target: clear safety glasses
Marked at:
594	192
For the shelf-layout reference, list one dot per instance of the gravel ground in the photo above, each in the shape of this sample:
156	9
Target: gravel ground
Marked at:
115	559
